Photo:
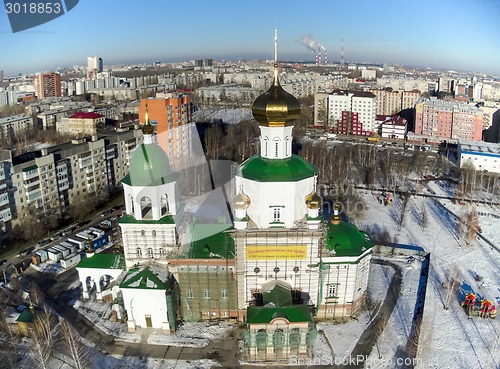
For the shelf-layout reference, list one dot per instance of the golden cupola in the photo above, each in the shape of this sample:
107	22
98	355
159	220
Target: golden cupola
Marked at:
276	107
241	201
313	200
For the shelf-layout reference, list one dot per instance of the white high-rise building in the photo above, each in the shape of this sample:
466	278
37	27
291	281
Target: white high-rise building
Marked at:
94	65
360	102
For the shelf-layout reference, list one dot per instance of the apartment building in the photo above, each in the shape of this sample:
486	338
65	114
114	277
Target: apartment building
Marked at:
172	114
5	196
47	84
392	126
448	119
15	124
82	123
360	102
51	180
391	102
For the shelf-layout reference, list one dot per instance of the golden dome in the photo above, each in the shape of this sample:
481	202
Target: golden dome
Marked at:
276	107
336	214
241	201
147	128
313	200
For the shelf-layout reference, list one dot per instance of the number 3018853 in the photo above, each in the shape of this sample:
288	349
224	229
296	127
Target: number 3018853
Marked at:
33	8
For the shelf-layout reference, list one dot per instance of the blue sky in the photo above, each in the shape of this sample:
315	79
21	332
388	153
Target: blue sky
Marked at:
452	34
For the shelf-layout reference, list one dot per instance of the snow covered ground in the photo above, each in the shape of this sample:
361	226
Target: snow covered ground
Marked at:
448	339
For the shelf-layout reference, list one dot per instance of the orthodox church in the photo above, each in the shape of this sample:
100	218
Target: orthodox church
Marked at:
278	265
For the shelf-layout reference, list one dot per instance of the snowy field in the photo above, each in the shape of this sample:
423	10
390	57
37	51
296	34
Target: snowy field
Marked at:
449	339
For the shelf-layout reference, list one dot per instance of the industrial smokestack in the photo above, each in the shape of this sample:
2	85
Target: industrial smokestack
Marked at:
308	41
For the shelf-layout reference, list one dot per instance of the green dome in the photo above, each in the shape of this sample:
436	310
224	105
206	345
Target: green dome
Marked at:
290	169
346	239
149	166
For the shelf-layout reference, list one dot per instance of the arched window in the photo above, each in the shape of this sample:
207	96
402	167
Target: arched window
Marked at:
150	252
131	202
153	233
294	339
265	146
139	252
161	251
278	340
276	147
164	204
261	340
146	208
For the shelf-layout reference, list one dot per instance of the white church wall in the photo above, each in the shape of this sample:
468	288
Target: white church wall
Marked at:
138	303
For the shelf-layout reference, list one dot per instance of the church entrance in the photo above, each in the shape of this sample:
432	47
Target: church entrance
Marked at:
149	323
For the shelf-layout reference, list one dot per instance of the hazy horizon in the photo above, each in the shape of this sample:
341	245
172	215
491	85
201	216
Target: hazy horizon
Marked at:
450	35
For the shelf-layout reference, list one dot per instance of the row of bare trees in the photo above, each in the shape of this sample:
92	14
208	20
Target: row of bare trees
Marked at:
48	336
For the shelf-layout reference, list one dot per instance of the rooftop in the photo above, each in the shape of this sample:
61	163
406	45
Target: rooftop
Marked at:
86	115
265	314
152	277
211	241
103	261
14	118
480	147
345	239
291	169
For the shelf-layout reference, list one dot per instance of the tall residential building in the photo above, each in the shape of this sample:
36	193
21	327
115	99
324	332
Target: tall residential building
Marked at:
360	102
392	102
94	66
1	75
47	84
172	115
52	180
448	119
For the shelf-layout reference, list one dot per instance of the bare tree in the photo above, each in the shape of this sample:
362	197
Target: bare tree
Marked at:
472	225
73	346
36	294
43	335
423	220
9	354
451	286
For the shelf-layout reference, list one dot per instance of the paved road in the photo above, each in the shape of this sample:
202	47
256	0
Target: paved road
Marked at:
223	350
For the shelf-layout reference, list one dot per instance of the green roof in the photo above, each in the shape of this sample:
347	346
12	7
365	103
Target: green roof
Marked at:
32	167
278	294
264	314
211	242
145	279
149	166
128	218
346	239
103	261
25	317
291	169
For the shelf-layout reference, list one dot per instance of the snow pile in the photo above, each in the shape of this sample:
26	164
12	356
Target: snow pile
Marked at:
191	335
